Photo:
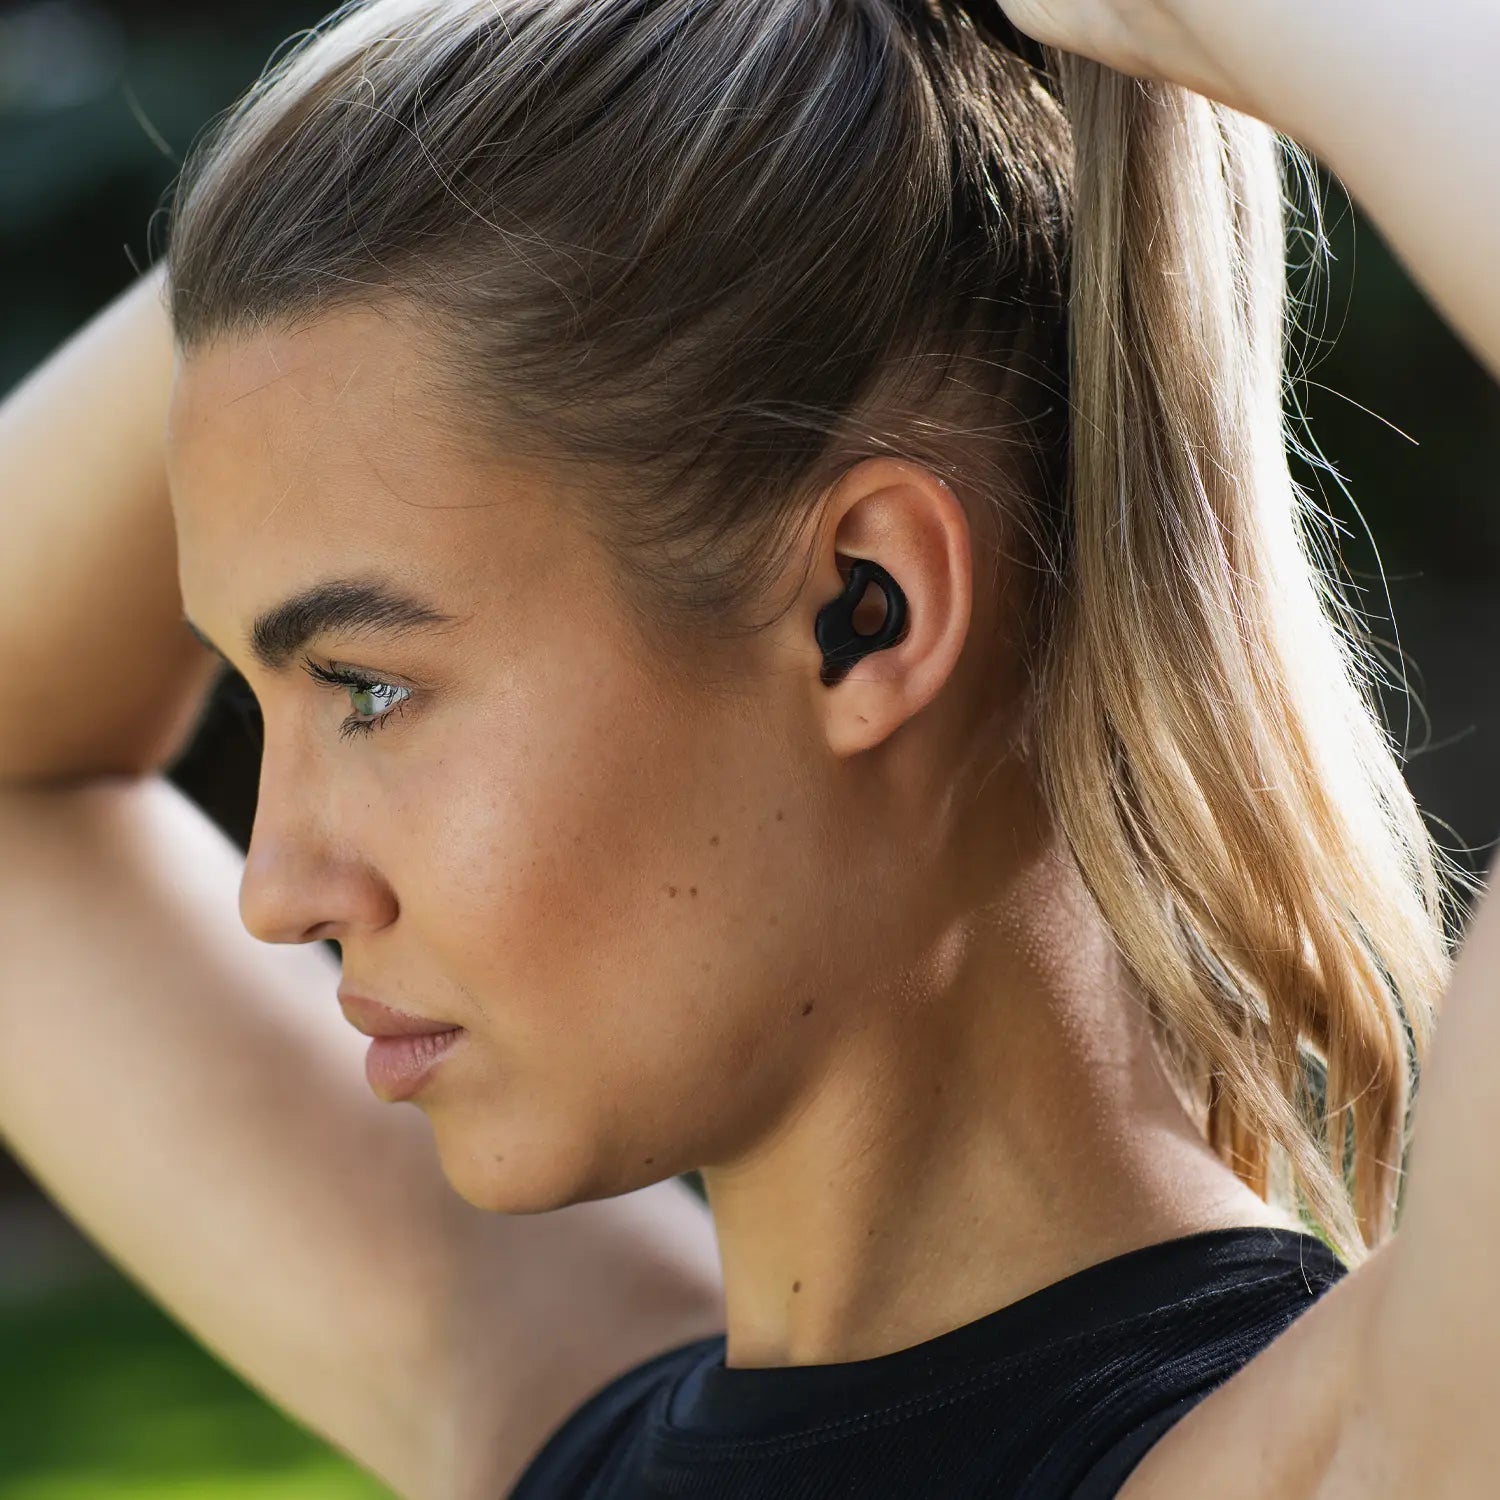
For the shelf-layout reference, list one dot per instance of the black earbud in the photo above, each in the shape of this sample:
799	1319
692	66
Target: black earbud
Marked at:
841	643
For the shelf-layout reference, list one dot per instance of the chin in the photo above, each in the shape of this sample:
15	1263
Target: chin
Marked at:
528	1176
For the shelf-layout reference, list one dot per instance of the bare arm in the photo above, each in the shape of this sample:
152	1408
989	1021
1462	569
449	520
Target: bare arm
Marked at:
97	671
194	1097
1400	100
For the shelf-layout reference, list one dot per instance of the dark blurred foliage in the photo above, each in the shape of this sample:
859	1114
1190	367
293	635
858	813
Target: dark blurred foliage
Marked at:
99	101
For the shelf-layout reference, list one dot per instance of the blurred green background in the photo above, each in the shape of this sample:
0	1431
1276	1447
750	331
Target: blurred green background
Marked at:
101	1393
103	1397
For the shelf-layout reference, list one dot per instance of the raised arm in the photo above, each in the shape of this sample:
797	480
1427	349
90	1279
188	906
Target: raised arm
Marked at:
1397	98
1387	1388
97	671
193	1097
1401	101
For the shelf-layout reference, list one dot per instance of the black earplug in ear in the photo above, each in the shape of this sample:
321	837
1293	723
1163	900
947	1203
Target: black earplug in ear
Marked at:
841	643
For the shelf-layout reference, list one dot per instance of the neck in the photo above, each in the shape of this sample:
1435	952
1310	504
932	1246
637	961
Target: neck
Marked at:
998	1120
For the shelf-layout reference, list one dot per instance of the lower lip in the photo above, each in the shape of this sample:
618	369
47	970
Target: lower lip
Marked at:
397	1066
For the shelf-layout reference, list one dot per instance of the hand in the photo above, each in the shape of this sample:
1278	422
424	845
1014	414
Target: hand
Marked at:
1144	38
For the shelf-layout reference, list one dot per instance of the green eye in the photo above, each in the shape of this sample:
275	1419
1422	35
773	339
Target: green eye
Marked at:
373	702
371	693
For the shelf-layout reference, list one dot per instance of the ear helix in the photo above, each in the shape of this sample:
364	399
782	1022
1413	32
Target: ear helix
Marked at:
841	643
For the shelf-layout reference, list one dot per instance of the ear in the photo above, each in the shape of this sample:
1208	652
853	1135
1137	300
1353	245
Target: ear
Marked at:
899	514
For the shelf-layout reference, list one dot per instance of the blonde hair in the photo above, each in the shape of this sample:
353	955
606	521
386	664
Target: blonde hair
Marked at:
1214	746
712	251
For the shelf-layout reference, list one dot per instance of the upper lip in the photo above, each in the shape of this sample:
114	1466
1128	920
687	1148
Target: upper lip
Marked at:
375	1019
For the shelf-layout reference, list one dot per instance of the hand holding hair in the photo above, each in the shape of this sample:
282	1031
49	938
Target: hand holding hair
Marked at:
1398	100
1144	38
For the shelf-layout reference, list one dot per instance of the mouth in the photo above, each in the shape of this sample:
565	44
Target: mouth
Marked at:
397	1066
373	1019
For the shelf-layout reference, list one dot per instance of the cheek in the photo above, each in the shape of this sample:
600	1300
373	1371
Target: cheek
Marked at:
631	904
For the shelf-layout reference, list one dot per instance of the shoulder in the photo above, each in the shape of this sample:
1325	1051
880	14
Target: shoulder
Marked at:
1205	1307
1275	1427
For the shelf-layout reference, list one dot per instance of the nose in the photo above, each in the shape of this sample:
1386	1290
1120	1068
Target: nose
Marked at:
301	881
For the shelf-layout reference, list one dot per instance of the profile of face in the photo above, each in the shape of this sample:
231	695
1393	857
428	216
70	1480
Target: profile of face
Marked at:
649	901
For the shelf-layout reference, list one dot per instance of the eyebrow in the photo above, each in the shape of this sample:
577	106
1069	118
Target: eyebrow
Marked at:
334	604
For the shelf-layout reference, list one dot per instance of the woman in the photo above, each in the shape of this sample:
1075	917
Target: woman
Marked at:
800	492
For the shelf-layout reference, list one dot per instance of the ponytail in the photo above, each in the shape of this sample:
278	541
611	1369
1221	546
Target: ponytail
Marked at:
1210	739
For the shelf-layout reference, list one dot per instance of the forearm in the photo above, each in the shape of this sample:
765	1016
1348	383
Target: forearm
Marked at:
97	672
1400	101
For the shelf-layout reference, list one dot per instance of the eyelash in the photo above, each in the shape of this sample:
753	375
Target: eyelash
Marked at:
340	677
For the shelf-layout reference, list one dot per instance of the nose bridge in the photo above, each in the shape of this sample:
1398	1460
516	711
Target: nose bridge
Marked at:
303	878
281	877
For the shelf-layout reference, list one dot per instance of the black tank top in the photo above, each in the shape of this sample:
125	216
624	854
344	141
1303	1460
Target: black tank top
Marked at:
1056	1396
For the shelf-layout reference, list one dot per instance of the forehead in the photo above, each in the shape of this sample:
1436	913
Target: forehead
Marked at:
296	455
347	399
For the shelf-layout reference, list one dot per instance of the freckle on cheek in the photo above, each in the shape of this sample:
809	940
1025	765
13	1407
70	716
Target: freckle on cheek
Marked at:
714	839
807	1009
796	1286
